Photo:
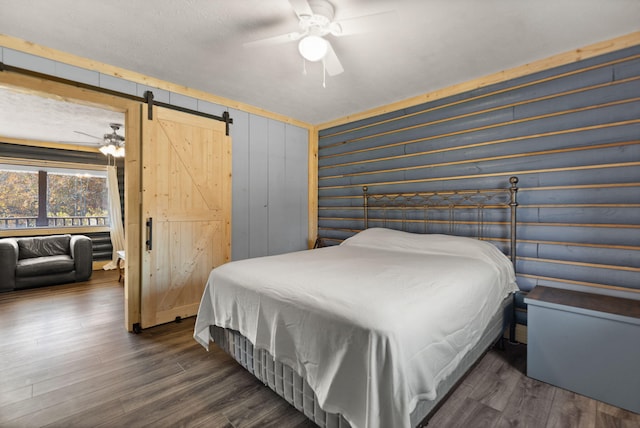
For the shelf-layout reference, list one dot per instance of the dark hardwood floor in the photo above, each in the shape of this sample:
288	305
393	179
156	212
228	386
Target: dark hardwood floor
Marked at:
66	361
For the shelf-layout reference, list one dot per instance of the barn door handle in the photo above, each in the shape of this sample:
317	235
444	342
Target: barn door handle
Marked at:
149	240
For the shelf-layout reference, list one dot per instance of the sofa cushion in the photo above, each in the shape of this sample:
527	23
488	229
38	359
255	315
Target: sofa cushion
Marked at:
44	265
42	246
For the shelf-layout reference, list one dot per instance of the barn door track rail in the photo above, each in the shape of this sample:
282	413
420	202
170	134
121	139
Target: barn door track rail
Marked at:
148	95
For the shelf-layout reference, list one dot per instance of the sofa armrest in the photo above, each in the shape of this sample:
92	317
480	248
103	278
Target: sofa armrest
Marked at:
82	255
8	261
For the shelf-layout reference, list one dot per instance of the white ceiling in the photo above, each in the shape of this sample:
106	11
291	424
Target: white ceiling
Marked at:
31	117
423	46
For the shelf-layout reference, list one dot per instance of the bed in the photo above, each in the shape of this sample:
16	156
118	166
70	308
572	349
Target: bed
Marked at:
376	331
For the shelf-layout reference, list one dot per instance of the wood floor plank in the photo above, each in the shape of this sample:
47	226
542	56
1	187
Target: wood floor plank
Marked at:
208	395
624	418
477	415
259	409
175	385
11	394
66	361
530	404
213	419
42	409
87	417
571	410
448	415
496	386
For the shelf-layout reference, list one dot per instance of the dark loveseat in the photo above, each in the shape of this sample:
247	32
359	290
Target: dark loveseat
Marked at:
44	260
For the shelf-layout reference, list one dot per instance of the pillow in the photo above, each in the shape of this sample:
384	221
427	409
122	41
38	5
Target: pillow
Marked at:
397	240
459	246
42	246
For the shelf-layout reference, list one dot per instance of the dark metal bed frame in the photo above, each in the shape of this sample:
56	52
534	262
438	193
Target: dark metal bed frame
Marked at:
396	208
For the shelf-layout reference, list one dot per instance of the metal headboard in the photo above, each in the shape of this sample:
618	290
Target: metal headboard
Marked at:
399	205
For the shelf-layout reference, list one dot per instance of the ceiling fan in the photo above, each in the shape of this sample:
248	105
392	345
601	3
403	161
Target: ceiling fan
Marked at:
316	21
113	142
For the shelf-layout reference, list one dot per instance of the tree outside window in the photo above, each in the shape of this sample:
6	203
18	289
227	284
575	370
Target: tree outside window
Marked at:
52	198
18	199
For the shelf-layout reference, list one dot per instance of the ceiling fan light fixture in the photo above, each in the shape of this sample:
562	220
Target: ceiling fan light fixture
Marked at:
313	48
119	152
113	143
107	149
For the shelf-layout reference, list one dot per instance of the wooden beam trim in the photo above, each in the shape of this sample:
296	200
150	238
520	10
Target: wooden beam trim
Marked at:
73	230
52	164
473	207
49	144
580	264
480	112
523	241
487	175
581	244
536	206
591	225
469	146
583	283
312	202
580	186
520	190
494	126
487	159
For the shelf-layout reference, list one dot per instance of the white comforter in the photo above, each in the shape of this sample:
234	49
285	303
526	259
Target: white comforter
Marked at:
373	324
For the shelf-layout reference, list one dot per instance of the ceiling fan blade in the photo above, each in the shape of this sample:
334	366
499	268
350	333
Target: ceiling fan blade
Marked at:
301	8
113	137
362	24
275	40
88	135
331	62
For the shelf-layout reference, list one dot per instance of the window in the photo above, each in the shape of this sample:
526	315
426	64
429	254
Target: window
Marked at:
32	196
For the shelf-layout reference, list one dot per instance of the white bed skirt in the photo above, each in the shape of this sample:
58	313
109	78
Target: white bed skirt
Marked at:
297	392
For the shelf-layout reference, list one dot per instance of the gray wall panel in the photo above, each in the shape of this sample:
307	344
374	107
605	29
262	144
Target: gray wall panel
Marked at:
296	186
277	182
240	185
607	256
603	95
259	186
626	69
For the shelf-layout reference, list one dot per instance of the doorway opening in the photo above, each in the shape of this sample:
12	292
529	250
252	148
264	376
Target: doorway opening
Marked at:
69	123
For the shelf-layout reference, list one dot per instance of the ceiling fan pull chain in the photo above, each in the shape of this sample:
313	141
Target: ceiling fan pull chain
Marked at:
324	74
304	67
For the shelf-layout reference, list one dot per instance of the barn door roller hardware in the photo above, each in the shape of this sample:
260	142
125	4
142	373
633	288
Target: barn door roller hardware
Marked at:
148	98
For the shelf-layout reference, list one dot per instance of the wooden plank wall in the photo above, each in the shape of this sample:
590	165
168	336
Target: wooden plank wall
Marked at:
572	136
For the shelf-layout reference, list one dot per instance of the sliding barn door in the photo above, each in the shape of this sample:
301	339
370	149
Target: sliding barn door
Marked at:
186	206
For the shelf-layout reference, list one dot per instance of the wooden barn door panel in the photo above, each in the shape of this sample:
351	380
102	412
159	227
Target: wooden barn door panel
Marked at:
186	198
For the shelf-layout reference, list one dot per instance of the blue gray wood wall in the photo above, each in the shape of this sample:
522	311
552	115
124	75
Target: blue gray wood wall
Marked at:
270	166
572	136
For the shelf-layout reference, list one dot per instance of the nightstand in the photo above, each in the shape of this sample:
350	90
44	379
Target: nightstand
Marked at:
586	343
